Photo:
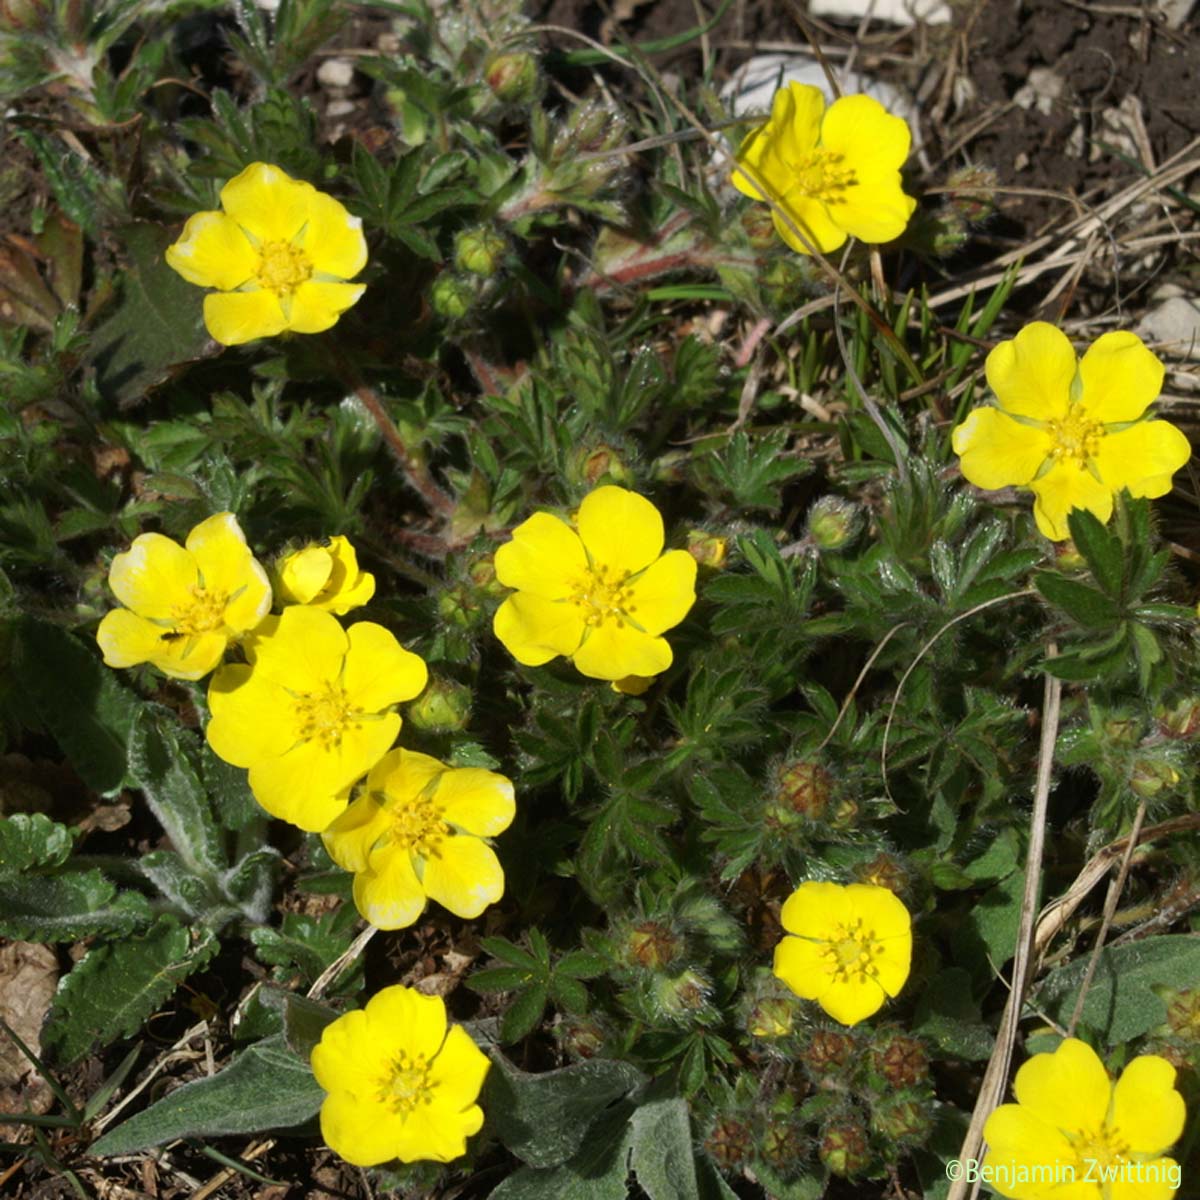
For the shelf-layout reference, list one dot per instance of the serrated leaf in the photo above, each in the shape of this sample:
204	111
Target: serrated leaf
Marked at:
156	323
568	994
1083	604
544	1119
1121	1002
581	964
78	699
306	942
265	1087
1103	553
163	759
67	907
115	987
500	979
32	840
662	1157
524	1013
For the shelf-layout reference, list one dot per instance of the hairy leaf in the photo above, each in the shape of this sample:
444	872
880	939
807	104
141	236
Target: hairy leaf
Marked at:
64	908
32	840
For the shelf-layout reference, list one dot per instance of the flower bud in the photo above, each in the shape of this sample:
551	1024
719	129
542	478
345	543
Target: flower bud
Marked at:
844	814
710	550
452	296
833	523
1150	776
682	997
804	787
783	1144
1067	556
901	1120
976	201
843	1147
443	707
513	76
829	1052
653	945
901	1060
1181	721
602	463
581	1037
670	467
884	870
759	227
1123	731
481	572
479	251
947	232
22	16
457	605
1183	1013
729	1143
770	1017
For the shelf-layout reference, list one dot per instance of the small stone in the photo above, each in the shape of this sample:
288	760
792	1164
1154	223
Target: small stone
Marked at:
1176	324
339	108
335	73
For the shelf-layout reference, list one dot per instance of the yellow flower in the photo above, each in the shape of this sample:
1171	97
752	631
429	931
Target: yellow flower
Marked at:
1091	1139
183	605
850	950
835	172
278	257
324	576
401	1085
417	832
1071	430
311	712
601	592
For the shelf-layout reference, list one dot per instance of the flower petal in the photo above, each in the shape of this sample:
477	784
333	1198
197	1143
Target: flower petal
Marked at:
431	1132
791	132
333	239
875	209
227	567
303	649
545	558
1062	488
344	1057
1157	1179
127	639
870	139
1146	1108
348	585
481	802
212	251
997	451
1068	1089
155	577
534	630
887	922
360	1129
267	202
612	651
1017	1142
458	1071
802	965
621	531
852	1000
465	877
814	910
1031	375
233	318
662	595
352	837
389	894
813	219
253	718
379	672
403	1018
402	775
1142	458
303	574
1121	378
190	656
316	306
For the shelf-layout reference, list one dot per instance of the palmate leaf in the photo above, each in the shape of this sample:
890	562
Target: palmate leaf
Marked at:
117	986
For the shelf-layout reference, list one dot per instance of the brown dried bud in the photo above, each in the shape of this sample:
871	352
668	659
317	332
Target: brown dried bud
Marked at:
844	1149
901	1060
828	1052
652	945
729	1143
805	787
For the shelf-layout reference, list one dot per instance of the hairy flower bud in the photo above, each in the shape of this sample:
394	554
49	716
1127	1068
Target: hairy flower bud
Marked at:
1151	776
729	1143
708	549
479	251
443	707
452	296
829	1052
906	1121
581	1037
513	76
804	788
653	945
1183	1013
682	997
771	1017
843	1147
1181	720
833	523
901	1060
599	464
971	191
884	870
783	1144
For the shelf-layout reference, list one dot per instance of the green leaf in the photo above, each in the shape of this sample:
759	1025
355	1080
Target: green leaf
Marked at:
32	840
662	1157
304	1021
67	907
1103	553
947	1014
581	964
524	1013
307	943
500	979
544	1119
1121	1002
1083	604
78	699
115	987
265	1087
163	762
156	325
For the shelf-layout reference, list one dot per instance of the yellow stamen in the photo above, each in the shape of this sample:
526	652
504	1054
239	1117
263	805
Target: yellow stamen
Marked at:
407	1084
602	595
852	952
1076	437
418	826
282	267
324	715
205	614
822	176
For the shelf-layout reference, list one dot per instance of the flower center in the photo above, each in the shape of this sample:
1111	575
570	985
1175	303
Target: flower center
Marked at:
822	176
205	614
1103	1147
851	954
282	267
1076	437
408	1084
323	715
603	595
418	826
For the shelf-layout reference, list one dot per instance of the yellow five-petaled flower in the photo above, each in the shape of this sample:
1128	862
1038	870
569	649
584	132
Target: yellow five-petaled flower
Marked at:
418	831
278	256
834	173
311	711
1071	430
400	1083
1075	1134
601	592
183	604
849	948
